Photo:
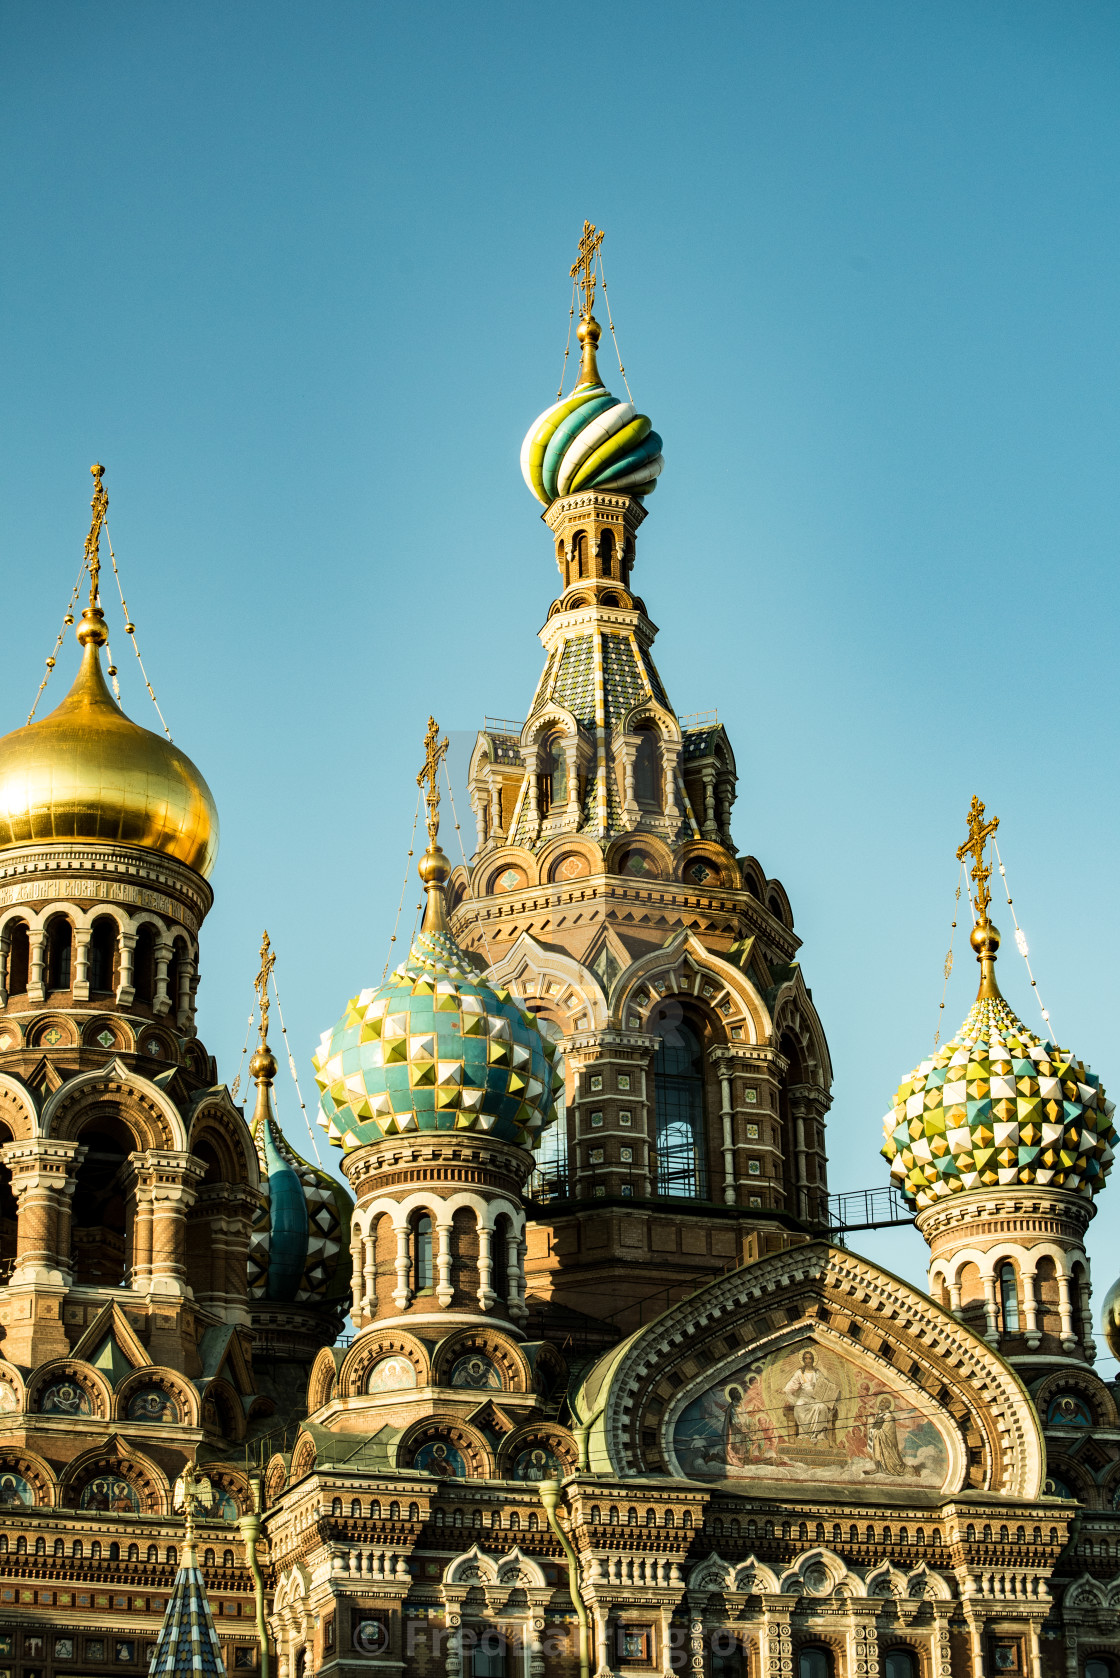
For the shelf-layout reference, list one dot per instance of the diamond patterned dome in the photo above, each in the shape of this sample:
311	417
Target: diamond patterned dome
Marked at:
997	1105
435	1048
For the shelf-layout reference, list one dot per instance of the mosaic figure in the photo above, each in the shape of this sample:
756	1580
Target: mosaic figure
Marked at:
391	1374
65	1398
15	1493
440	1458
109	1493
152	1404
474	1371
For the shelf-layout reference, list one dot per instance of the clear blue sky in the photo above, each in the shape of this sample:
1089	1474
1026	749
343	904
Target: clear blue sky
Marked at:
298	275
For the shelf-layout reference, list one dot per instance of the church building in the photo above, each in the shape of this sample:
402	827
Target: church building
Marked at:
615	1399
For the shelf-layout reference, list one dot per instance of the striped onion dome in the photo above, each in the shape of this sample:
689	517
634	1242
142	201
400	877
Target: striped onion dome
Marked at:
434	1048
995	1106
590	439
299	1250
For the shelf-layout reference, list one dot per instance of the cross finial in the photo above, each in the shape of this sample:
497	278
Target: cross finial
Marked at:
435	750
979	832
260	983
583	269
100	506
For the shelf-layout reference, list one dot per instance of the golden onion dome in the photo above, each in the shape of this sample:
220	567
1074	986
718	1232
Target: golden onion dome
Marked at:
88	772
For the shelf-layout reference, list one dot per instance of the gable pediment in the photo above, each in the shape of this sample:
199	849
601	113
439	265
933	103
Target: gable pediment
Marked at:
814	1367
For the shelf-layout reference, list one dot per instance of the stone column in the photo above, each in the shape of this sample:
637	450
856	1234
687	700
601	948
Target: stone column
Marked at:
670	768
776	1640
162	1001
496	829
478	805
627	751
172	1179
955	1298
402	1293
367	1281
44	1176
863	1642
486	1294
1089	1345
126	990
517	1307
991	1310
571	761
1065	1308
710	827
445	1293
1030	1309
532	757
36	988
82	935
140	1275
183	1010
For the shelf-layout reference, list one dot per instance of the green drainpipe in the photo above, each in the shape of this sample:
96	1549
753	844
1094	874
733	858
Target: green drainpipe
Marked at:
550	1497
250	1531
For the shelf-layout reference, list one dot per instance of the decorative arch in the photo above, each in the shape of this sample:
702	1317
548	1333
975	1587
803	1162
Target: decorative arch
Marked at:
215	1119
563	984
552	718
222	1409
795	1016
718	862
19	1110
820	1572
182	1393
649	844
124	1037
36	1475
69	1372
303	1458
584	855
115	1459
369	1349
644	986
275	1479
485	877
136	1101
554	1441
446	1427
508	1359
647	713
321	1381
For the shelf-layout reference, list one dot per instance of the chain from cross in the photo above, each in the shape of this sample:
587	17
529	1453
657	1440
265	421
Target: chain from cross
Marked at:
260	983
583	269
99	506
979	832
435	750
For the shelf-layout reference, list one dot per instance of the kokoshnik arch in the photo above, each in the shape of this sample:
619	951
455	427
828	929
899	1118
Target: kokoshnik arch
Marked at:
613	1400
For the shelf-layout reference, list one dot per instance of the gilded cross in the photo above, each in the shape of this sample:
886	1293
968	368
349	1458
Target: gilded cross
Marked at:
435	750
583	269
100	506
979	832
260	983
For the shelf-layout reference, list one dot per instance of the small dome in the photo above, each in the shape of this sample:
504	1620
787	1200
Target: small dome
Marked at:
299	1251
996	1105
1110	1318
590	440
87	772
435	1048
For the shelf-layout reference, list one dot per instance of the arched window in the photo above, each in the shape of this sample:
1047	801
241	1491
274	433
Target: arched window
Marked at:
579	553
499	1257
375	1509
423	1270
533	1522
515	1521
153	1553
19	957
40	1546
227	1558
144	964
60	1546
551	1174
77	1550
669	1518
208	1558
102	1220
336	1506
554	780
606	553
1008	1298
355	1509
172	1556
814	1662
900	1664
646	789
94	1550
678	1082
488	1657
1099	1668
103	954
60	945
134	1552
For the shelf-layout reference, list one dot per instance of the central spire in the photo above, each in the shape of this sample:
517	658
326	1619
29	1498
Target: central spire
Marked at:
984	937
434	867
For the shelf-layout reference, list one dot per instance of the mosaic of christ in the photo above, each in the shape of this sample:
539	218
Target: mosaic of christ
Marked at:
809	1414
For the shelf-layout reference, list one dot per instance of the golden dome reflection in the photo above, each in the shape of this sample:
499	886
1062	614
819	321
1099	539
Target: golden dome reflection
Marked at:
87	772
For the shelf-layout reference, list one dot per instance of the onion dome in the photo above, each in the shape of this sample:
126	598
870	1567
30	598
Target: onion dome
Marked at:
434	1047
299	1250
996	1105
87	772
590	439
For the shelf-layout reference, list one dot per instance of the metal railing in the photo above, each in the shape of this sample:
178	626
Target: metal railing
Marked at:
878	1208
699	719
501	725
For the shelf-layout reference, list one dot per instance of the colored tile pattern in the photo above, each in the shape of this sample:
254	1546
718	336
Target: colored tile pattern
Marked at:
434	1049
623	687
590	440
998	1105
187	1642
575	680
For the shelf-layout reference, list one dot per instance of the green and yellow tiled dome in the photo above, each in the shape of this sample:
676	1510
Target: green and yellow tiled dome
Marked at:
996	1105
435	1048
